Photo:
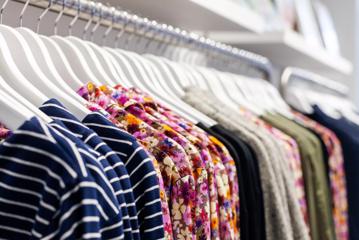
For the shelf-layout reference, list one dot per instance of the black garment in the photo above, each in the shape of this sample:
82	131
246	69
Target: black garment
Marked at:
251	210
348	134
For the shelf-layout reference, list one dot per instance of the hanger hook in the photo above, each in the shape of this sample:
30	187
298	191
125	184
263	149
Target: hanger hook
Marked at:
59	17
146	26
152	27
89	22
42	15
135	20
98	23
109	29
23	11
73	21
2	10
167	37
123	29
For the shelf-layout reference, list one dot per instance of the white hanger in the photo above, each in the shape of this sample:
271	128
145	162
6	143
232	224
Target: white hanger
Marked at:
26	63
43	58
105	62
88	53
177	92
76	60
60	62
145	74
236	94
62	65
171	81
15	78
9	90
215	87
12	114
91	59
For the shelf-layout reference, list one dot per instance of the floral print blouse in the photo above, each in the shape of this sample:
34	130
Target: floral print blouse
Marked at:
336	174
174	163
224	191
201	211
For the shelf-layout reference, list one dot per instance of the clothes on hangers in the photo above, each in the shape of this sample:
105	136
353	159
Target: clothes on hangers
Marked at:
223	207
251	210
164	177
337	181
275	194
133	168
346	132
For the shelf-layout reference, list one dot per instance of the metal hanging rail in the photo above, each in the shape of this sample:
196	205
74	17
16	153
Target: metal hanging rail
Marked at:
292	74
130	23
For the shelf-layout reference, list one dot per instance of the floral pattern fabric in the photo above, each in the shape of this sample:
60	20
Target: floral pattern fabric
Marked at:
225	203
174	163
201	211
336	174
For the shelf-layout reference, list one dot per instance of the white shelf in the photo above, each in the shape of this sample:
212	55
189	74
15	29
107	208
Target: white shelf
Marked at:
288	49
201	15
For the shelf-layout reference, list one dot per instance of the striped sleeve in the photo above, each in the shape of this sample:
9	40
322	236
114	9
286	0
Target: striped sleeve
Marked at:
92	146
100	173
141	172
45	194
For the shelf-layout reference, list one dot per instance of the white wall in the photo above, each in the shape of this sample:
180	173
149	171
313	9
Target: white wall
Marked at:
346	20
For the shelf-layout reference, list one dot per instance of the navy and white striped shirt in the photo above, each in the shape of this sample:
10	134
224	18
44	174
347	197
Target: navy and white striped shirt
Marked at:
47	192
96	165
141	170
56	111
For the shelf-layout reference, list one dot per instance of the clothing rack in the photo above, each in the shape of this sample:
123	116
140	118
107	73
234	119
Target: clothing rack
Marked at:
123	21
320	82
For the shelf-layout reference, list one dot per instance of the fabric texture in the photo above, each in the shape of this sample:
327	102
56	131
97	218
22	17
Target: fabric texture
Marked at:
335	163
347	133
317	189
115	173
274	190
59	200
174	163
252	213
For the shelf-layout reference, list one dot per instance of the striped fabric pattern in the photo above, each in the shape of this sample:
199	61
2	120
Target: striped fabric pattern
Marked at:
113	166
141	171
48	192
96	165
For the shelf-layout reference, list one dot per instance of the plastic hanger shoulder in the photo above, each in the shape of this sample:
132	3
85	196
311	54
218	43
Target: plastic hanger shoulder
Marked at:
91	59
12	114
44	60
27	65
76	60
62	65
15	78
170	80
9	90
105	61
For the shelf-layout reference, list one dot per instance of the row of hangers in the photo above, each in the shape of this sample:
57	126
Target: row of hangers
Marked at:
35	68
303	89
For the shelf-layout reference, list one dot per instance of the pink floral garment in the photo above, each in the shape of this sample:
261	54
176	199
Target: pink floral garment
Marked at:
166	215
228	194
206	156
336	174
174	163
201	211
